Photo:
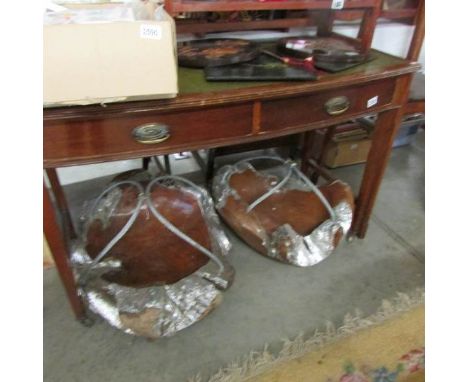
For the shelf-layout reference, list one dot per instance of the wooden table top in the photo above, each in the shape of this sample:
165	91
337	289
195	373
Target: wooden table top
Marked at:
193	81
195	91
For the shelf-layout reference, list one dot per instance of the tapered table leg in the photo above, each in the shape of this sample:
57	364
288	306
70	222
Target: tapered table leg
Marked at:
306	152
386	127
61	202
57	245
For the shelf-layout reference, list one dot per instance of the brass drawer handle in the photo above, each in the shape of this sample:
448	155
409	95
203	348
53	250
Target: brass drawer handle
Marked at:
337	105
151	133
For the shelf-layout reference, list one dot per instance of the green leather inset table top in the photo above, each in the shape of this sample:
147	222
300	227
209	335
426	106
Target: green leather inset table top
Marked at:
193	80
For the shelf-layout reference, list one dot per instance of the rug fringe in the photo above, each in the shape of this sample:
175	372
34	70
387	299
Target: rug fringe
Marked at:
258	362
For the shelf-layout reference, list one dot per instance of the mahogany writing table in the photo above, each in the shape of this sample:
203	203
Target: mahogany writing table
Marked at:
208	115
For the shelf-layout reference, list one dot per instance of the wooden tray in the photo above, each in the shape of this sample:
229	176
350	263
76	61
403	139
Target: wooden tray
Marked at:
325	49
216	52
263	68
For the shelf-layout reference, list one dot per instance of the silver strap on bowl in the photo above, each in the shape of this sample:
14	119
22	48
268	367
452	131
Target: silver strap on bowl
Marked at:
171	227
133	216
291	168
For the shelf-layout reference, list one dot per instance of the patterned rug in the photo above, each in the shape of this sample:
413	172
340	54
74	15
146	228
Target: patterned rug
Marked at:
385	347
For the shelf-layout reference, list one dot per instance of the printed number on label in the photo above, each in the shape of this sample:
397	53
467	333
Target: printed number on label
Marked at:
337	4
372	101
151	31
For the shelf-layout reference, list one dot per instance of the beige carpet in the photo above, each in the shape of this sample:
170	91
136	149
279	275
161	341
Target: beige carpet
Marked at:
385	347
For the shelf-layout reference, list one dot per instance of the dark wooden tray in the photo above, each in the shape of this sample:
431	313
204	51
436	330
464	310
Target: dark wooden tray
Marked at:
263	68
335	67
325	49
209	52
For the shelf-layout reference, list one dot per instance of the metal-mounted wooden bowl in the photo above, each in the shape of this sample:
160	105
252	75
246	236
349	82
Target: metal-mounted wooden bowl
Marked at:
149	252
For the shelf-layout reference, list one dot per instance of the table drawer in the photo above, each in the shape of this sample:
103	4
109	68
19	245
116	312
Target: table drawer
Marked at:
303	110
95	140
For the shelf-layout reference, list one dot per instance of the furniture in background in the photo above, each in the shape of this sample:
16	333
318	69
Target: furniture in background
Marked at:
416	103
312	12
402	10
411	12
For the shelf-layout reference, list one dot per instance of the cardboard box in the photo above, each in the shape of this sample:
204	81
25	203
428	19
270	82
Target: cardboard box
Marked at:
109	62
348	147
408	129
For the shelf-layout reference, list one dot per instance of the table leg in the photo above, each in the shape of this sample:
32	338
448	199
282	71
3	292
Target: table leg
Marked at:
385	130
146	162
167	164
386	127
306	150
57	245
321	156
201	163
312	150
210	162
61	202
